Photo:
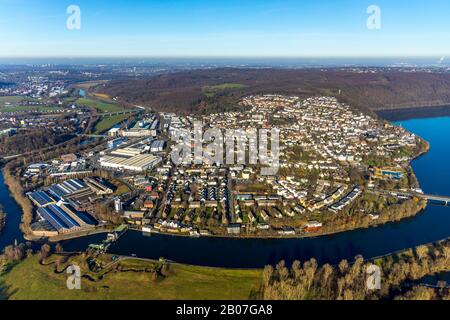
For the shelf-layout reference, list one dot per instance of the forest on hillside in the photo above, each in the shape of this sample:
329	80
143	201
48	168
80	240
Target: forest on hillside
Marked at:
30	141
188	92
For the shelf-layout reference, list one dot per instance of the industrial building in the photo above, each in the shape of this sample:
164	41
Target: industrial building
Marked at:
114	132
158	146
118	205
69	189
113	144
99	186
64	219
37	168
127	152
138	163
75	192
61	208
144	128
41	198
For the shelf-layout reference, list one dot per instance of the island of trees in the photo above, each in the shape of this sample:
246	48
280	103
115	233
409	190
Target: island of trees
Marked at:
400	276
2	219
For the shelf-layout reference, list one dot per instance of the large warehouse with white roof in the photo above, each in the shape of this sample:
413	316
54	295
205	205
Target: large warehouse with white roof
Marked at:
138	163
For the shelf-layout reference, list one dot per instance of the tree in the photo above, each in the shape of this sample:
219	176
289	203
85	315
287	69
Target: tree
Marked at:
326	273
14	253
8	253
267	275
422	252
282	271
349	281
297	271
59	248
45	251
419	293
2	219
343	266
310	268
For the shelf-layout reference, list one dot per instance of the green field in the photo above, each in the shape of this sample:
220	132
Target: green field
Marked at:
15	104
90	84
10	99
98	105
13	100
30	280
109	122
212	90
42	109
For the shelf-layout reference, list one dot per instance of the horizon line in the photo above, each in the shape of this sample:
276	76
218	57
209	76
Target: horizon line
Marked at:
224	57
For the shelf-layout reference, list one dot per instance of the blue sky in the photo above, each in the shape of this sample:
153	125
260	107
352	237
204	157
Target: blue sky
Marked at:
224	28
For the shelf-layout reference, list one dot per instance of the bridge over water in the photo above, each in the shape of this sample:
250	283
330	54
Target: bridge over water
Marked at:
445	200
430	197
116	113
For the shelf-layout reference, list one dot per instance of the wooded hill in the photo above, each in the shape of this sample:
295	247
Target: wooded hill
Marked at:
221	89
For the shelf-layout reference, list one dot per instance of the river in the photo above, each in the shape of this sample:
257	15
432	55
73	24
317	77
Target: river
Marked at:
430	226
11	232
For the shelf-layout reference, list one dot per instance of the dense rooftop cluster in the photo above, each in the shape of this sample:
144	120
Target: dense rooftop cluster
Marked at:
318	135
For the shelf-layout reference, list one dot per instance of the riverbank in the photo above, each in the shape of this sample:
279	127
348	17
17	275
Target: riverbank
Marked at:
2	221
395	272
421	207
372	224
15	189
127	279
11	231
69	236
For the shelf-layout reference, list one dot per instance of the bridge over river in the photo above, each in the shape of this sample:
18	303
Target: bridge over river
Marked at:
116	113
445	200
442	199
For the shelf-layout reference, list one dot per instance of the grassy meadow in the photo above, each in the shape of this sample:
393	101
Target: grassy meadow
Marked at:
127	279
